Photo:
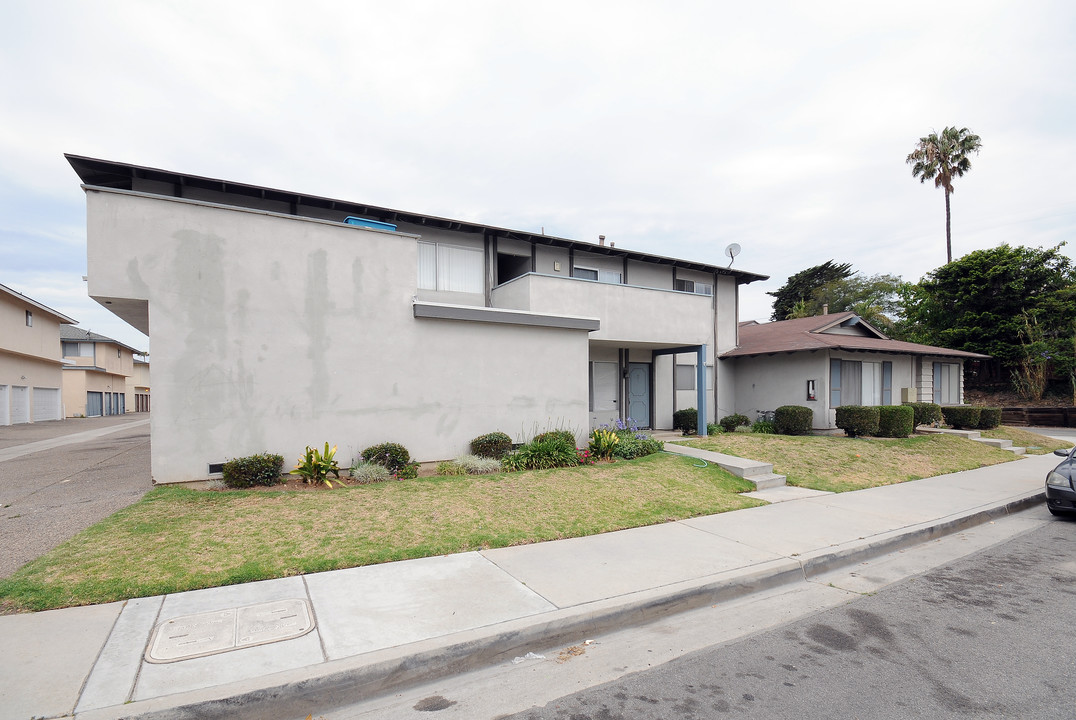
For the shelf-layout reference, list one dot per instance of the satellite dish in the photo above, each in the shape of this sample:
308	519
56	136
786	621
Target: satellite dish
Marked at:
732	251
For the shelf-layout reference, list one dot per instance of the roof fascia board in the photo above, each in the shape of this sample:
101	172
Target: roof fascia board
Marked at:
80	163
29	301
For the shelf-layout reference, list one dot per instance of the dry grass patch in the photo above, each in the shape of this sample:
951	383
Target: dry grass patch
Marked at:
1035	443
177	539
838	464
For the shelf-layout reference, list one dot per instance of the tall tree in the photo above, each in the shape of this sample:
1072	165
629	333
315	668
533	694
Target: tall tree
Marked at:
941	157
990	300
799	287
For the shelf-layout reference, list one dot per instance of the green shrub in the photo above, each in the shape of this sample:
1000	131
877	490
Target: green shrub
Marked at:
686	420
989	418
857	420
763	427
895	421
793	420
369	472
551	452
261	469
392	455
632	446
714	429
925	413
492	445
566	436
962	416
407	472
731	422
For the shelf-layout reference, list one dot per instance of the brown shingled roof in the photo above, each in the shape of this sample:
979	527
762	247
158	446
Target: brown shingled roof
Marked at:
787	336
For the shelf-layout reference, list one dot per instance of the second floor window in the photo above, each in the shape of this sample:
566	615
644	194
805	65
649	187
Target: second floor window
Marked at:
699	288
605	276
449	268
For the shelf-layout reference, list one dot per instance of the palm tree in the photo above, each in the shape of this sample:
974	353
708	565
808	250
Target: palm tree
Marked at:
941	157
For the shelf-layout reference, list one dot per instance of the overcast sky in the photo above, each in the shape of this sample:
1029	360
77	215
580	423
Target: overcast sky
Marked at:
674	128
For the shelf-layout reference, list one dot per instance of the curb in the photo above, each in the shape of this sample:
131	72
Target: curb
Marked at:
351	680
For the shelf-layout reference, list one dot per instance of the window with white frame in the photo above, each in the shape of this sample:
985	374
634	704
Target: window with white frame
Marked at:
77	349
855	382
589	273
29	318
450	268
691	286
947	383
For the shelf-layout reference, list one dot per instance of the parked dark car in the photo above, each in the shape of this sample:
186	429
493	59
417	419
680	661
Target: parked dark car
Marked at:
1060	491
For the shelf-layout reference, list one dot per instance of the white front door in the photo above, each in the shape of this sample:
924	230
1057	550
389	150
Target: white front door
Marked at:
603	393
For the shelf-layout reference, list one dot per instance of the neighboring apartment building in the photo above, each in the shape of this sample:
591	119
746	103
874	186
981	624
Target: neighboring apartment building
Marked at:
278	322
826	361
138	387
96	369
30	375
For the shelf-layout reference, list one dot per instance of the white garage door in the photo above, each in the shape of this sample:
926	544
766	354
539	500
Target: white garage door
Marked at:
20	404
47	404
5	404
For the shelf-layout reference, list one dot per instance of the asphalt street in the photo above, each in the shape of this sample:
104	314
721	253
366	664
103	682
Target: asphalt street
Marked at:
48	496
987	636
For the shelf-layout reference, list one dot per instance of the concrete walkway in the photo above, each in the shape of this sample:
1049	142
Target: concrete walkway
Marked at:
380	628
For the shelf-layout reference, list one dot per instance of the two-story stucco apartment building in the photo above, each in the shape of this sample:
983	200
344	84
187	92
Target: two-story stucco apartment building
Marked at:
96	373
276	322
280	320
30	374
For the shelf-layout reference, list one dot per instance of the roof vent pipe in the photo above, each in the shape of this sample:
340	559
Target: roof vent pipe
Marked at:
601	240
825	309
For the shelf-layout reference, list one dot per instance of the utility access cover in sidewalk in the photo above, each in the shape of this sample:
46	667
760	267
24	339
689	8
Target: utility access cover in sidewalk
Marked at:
209	633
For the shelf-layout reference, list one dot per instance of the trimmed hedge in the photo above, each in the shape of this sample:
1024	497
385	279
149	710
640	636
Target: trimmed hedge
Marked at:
261	469
895	421
731	422
989	418
962	416
925	413
857	420
491	445
793	420
686	420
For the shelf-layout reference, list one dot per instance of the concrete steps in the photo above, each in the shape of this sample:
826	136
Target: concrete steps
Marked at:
759	473
976	436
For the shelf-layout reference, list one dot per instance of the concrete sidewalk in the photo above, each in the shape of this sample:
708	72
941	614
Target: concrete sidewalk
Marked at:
383	627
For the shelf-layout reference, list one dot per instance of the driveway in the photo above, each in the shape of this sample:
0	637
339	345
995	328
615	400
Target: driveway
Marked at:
58	478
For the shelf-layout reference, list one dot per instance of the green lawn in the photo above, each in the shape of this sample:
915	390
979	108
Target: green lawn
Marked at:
178	539
1036	444
837	463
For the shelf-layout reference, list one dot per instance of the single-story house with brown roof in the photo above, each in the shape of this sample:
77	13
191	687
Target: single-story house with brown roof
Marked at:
826	361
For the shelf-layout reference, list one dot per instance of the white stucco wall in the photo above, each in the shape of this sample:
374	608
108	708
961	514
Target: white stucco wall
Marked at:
766	382
271	333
